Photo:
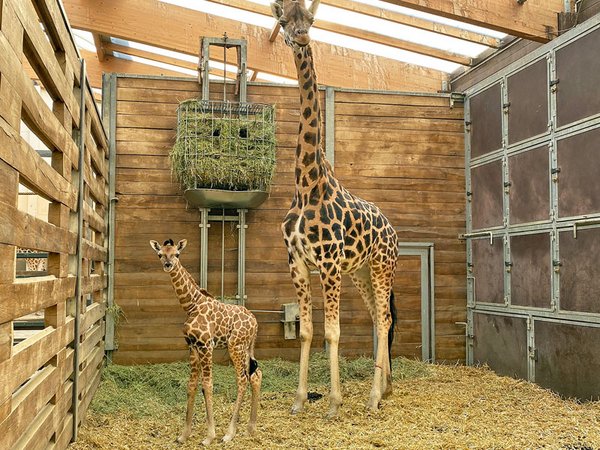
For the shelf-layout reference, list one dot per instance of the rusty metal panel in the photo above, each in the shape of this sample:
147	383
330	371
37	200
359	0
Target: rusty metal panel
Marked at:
487	191
580	271
568	360
530	280
486	121
501	343
488	270
579	160
529	186
578	72
528	100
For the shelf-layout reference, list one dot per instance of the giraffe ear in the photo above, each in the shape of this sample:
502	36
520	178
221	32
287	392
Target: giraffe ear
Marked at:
155	245
277	9
181	244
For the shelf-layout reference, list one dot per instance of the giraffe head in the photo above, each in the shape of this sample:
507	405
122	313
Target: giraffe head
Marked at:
168	253
295	19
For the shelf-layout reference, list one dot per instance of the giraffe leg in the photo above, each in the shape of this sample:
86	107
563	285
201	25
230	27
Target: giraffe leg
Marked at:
191	394
255	382
382	279
238	356
331	282
207	390
301	279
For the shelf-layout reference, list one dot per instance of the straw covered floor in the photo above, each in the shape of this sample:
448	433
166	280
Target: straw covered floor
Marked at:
432	407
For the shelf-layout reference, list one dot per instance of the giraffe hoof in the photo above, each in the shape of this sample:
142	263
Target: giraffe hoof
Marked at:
332	413
206	442
181	439
251	429
373	405
296	409
227	438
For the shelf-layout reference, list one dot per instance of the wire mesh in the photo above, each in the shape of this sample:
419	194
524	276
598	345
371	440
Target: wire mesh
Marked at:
224	145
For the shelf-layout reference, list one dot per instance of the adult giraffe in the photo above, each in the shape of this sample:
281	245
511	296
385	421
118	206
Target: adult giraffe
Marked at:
329	228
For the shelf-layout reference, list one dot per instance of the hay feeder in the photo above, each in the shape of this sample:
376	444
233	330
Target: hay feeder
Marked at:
224	156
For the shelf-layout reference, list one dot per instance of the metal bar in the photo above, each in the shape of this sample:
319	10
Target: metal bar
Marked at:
577	223
330	125
431	303
477	234
204	226
425	308
78	281
109	112
524	311
242	256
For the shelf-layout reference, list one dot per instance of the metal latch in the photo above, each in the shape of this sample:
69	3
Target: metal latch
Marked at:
291	315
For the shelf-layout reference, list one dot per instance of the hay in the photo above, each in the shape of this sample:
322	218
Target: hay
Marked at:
224	146
432	407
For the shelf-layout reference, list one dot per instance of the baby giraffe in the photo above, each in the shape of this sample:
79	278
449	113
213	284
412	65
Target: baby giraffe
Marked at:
211	324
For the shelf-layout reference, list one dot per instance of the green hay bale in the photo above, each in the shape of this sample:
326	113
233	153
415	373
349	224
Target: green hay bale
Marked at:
231	150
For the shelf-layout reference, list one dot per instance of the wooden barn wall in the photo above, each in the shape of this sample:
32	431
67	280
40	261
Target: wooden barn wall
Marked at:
37	368
403	152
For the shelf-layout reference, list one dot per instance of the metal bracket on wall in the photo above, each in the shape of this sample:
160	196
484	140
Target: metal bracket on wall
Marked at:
291	316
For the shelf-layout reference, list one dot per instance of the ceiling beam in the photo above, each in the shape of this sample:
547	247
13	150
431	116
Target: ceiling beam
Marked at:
354	32
111	48
99	42
179	29
416	22
110	64
536	20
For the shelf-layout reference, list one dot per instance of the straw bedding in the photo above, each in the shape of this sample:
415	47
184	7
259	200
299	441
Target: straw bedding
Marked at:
224	149
432	407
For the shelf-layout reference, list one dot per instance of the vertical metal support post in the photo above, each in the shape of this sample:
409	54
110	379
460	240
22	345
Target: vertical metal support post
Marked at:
431	303
243	74
204	69
425	309
242	256
553	181
78	281
531	351
204	226
330	125
109	116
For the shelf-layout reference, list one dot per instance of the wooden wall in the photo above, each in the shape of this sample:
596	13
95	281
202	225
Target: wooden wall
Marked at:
37	374
403	152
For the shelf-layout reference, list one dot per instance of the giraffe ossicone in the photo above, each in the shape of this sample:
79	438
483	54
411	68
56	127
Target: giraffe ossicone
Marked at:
211	324
330	229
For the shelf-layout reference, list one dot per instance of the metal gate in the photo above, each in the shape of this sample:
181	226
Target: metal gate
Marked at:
533	216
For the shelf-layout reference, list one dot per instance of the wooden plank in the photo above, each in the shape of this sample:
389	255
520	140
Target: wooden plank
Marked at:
30	355
26	296
27	403
39	117
42	57
16	152
26	231
349	68
536	20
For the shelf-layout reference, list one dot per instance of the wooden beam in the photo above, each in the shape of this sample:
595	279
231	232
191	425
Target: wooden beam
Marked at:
99	44
536	20
177	28
354	32
416	22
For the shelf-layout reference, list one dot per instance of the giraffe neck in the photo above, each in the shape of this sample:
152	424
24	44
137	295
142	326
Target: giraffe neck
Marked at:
309	168
185	287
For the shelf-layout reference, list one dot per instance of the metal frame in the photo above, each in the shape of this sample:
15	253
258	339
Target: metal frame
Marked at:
425	251
204	69
554	225
109	116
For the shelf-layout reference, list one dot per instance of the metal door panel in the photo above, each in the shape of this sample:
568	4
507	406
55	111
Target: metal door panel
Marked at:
568	360
488	270
580	270
530	280
578	73
528	100
529	186
501	343
579	162
488	191
486	121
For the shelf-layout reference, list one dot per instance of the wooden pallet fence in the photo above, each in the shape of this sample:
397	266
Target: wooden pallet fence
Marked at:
48	379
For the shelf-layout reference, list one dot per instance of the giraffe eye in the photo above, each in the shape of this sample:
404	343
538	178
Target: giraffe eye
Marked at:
177	254
160	255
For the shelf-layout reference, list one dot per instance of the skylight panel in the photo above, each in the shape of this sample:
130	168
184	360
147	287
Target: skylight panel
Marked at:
158	64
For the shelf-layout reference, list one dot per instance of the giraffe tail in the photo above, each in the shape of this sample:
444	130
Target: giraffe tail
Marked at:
394	315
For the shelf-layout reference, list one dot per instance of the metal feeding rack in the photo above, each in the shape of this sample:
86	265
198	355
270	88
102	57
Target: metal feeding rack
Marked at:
230	144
